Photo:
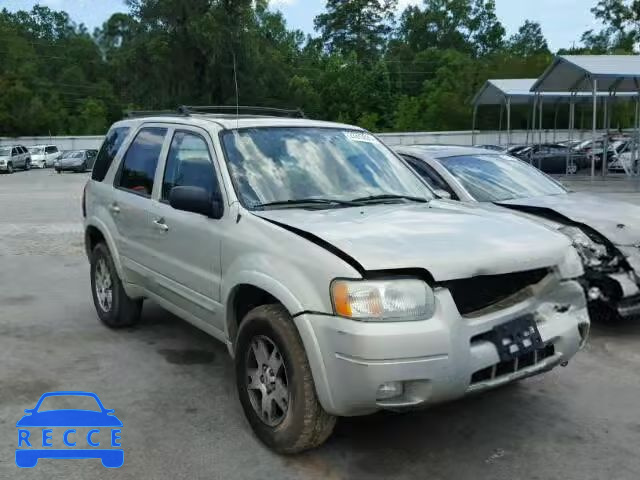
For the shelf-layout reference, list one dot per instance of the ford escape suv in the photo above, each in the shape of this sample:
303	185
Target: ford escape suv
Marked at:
338	281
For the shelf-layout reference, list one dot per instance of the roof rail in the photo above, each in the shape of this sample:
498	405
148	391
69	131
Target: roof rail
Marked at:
153	113
241	110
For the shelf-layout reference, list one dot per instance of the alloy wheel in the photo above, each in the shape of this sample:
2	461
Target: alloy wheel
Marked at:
103	286
267	382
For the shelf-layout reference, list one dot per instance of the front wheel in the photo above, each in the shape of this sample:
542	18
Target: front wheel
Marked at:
275	384
10	168
115	309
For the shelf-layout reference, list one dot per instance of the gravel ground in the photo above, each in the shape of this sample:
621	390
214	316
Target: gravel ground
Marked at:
173	386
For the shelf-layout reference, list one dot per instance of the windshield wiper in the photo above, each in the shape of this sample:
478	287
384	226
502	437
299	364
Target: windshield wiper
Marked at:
387	197
308	201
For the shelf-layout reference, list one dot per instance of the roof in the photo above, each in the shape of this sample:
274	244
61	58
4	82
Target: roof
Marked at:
440	151
229	122
619	73
519	91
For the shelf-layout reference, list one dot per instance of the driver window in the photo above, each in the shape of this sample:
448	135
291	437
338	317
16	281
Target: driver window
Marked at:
189	164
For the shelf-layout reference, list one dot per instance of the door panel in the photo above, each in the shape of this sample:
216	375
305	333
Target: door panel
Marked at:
188	245
131	209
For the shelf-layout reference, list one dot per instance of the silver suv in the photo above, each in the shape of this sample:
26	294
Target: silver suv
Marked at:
14	156
338	281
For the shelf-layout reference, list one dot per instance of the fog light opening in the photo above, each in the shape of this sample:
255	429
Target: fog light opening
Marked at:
594	294
389	390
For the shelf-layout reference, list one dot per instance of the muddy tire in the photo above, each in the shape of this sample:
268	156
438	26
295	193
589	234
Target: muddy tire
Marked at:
115	309
275	384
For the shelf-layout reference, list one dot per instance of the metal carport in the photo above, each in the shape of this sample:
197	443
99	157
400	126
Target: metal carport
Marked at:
611	74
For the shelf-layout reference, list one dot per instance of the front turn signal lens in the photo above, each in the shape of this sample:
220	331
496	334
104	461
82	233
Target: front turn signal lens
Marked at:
383	300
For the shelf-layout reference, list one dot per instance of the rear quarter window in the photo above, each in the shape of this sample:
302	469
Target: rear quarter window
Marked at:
112	143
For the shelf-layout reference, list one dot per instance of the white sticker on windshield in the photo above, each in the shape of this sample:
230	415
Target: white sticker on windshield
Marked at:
360	137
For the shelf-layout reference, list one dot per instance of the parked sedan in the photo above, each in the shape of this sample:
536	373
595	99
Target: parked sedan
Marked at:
76	161
606	233
13	157
551	158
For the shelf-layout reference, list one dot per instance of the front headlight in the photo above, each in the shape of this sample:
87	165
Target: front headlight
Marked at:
383	300
591	253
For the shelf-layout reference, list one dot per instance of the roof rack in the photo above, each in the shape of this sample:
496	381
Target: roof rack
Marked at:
153	113
241	110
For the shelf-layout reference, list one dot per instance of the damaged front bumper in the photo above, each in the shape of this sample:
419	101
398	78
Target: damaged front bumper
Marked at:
360	367
619	291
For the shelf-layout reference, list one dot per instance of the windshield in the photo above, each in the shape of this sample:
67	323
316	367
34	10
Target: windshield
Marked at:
494	178
5	152
36	150
270	165
72	155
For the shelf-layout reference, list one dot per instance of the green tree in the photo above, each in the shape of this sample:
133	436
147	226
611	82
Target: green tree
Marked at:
464	25
528	41
357	26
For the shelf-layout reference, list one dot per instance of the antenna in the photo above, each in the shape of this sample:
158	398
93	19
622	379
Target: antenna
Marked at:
235	79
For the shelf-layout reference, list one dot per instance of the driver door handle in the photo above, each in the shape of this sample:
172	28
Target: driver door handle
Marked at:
114	208
159	223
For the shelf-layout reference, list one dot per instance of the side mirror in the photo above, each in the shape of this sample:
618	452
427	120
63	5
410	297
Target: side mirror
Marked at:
443	194
195	200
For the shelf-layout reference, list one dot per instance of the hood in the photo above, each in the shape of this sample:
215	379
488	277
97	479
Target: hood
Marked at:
615	220
449	240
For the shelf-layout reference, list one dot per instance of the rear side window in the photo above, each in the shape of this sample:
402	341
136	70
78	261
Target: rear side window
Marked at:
140	162
51	150
108	151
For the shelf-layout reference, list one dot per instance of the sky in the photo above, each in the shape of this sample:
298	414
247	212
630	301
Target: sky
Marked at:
563	21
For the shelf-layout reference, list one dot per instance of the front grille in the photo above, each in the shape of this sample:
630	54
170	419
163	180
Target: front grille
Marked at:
477	293
505	368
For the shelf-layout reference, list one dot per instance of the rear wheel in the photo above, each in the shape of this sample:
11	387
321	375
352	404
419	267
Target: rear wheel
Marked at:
275	384
115	309
27	165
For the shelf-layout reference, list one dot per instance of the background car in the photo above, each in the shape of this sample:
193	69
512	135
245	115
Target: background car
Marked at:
606	233
551	158
13	157
76	161
43	156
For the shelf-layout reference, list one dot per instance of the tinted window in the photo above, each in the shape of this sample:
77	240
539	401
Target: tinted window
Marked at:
494	178
188	165
140	161
15	152
51	149
433	178
108	151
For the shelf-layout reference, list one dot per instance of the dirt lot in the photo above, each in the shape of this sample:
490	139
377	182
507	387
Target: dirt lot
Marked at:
173	387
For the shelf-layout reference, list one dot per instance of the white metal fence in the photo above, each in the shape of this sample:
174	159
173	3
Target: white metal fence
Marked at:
439	138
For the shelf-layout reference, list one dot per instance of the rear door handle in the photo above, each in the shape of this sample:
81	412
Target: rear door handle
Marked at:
159	223
114	208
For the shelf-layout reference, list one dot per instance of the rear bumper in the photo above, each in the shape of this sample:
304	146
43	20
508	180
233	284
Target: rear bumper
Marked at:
434	360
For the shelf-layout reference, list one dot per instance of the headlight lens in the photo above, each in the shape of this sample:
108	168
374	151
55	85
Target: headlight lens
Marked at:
591	253
383	300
